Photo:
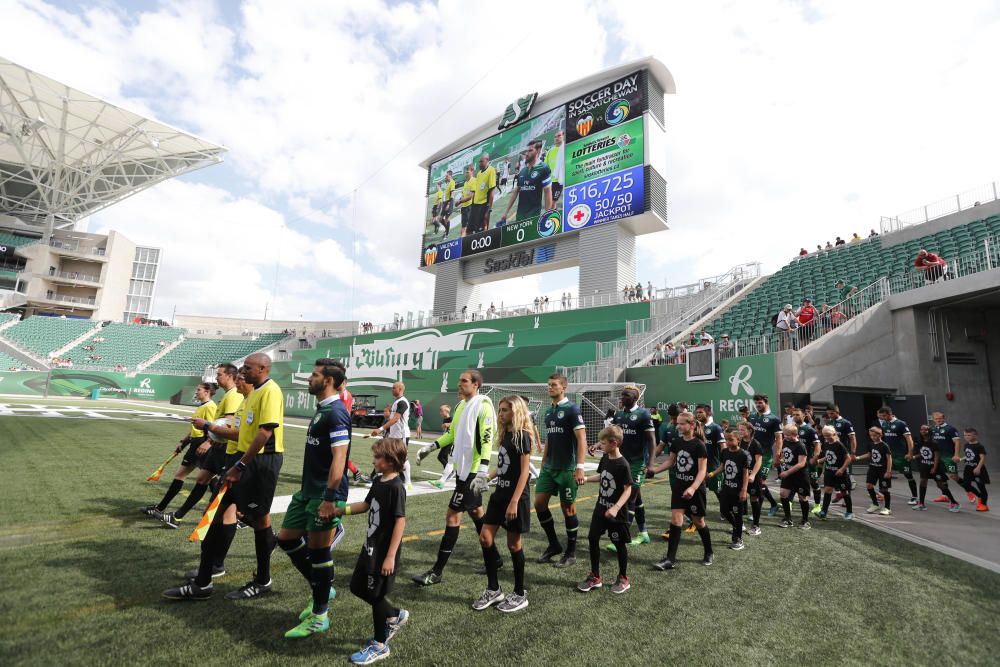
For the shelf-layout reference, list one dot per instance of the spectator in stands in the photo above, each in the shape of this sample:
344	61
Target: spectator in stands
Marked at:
681	354
803	252
829	246
786	324
706	338
839	242
626	293
492	312
649	290
807	320
844	290
726	348
669	354
658	355
638	291
931	264
855	238
819	248
872	234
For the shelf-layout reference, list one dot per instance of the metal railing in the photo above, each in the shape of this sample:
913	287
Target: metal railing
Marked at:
942	207
74	275
985	259
75	247
89	301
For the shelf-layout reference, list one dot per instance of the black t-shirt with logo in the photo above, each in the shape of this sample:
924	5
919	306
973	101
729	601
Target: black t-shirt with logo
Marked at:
791	450
615	476
880	457
733	465
834	455
926	450
512	448
971	454
687	452
752	450
386	502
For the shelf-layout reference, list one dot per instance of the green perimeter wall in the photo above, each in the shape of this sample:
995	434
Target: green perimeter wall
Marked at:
69	382
739	379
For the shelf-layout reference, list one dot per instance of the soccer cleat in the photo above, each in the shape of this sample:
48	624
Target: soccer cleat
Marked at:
982	507
872	509
641	538
665	535
664	565
817	509
941	499
437	484
885	511
361	478
240	525
920	507
566	561
785	523
149	510
737	545
188	592
612	548
822	515
513	602
338	535
392	627
953	507
488	598
550	552
216	572
369	653
621	585
691	529
805	525
428	578
308	611
170	521
310	626
972	497
773	511
708	559
754	530
848	516
249	590
590	583
912	501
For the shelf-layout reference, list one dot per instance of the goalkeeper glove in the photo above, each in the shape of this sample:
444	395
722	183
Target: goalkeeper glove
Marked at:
479	484
425	451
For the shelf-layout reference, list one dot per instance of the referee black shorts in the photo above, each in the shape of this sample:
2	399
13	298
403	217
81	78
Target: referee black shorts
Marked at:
254	493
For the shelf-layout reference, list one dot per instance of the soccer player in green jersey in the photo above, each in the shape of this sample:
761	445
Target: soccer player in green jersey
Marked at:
949	447
767	431
471	433
562	470
900	440
810	439
715	442
637	446
324	487
533	189
846	434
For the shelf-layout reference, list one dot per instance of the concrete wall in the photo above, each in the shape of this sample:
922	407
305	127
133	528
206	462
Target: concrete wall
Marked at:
947	222
115	278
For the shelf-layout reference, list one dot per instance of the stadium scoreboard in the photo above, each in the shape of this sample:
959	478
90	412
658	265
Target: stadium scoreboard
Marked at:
572	160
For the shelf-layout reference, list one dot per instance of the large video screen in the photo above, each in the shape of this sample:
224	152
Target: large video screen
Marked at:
515	186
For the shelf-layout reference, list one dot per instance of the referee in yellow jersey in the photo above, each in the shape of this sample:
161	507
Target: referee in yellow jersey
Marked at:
482	200
468	193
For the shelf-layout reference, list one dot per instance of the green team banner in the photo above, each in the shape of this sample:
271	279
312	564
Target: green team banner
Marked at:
739	379
614	149
70	382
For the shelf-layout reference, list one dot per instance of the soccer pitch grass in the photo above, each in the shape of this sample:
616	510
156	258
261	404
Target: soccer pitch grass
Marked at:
83	571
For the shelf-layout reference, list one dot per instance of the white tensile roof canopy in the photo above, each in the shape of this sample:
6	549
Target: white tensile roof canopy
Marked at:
65	154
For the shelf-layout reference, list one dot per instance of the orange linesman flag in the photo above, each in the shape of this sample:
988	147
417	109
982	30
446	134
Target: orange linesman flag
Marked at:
155	477
206	519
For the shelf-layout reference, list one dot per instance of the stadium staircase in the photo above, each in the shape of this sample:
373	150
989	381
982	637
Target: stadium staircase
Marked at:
162	352
10	356
859	265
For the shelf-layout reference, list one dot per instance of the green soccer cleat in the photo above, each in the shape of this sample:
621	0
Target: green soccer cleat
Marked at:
437	484
817	510
310	626
641	538
308	611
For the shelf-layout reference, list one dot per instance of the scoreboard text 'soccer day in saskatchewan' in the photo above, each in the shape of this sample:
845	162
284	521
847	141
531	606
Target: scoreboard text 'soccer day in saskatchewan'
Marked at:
592	149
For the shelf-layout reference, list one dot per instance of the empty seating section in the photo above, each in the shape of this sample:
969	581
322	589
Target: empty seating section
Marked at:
127	344
194	354
859	265
7	317
9	363
9	239
44	335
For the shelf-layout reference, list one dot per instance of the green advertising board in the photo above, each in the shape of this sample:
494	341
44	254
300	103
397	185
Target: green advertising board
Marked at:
69	382
739	379
614	149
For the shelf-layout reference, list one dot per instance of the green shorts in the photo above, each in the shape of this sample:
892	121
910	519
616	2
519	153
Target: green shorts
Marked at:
559	483
713	483
900	464
765	467
303	514
813	473
638	472
950	467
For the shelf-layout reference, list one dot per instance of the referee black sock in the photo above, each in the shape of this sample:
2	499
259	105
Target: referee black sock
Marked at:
827	497
175	488
196	494
786	505
209	548
517	560
263	542
549	526
298	553
448	541
706	539
572	526
492	559
227	533
673	542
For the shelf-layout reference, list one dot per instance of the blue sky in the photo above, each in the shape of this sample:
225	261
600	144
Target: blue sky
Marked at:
793	123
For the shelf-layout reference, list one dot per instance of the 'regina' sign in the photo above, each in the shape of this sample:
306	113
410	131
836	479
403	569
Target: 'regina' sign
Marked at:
517	111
